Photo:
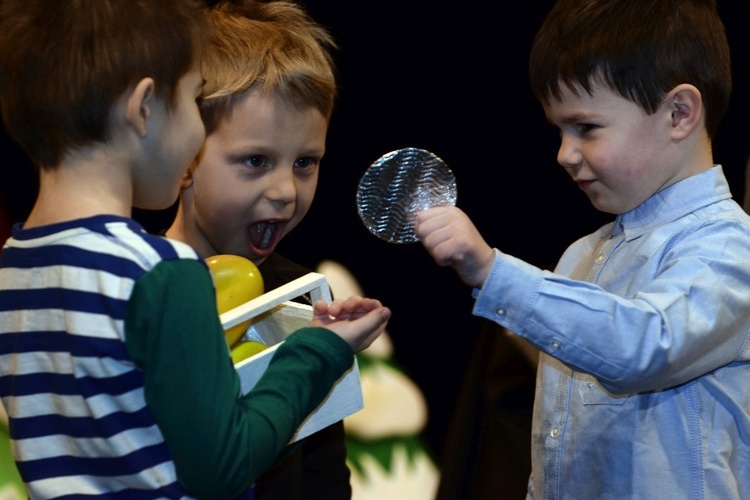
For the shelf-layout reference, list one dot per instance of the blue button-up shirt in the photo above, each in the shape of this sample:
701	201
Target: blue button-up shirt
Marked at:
643	388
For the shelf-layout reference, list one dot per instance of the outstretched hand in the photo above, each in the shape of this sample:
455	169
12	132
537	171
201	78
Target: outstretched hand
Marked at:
453	240
357	320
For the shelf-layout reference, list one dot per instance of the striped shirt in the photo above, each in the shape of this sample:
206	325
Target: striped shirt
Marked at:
64	368
117	377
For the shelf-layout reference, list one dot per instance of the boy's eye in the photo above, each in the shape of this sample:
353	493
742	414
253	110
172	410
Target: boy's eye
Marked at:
255	161
585	127
306	162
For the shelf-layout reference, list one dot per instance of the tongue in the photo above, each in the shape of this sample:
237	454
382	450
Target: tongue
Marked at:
262	234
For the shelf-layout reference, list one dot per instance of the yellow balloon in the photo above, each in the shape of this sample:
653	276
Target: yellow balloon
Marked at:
237	280
246	348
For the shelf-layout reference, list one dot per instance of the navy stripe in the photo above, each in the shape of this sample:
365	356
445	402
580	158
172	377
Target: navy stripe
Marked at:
173	490
62	298
80	427
97	224
133	463
6	255
162	246
59	255
69	384
79	346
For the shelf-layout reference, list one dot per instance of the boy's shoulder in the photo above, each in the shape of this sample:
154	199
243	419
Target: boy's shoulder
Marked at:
150	249
104	248
114	237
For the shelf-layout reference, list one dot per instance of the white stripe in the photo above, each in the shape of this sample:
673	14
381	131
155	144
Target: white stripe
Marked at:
77	323
86	280
41	404
56	445
62	363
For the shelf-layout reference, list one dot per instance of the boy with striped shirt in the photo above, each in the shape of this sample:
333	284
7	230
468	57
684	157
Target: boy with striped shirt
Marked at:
107	332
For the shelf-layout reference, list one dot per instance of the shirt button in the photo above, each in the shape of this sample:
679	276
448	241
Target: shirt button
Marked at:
555	345
555	432
600	258
500	311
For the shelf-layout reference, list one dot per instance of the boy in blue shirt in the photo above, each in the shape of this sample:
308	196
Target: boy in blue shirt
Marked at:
643	327
114	368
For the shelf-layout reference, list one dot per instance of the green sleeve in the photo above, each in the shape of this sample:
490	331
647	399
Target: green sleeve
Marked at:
220	441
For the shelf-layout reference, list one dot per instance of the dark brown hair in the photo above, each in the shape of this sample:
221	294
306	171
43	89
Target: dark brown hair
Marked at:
65	63
641	49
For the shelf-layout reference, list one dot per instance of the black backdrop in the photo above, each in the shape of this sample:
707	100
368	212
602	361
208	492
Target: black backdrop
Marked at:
449	77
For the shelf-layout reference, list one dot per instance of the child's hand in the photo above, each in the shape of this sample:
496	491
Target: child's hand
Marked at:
359	321
452	239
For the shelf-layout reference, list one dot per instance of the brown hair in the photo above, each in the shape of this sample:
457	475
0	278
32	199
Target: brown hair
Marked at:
64	63
641	49
271	47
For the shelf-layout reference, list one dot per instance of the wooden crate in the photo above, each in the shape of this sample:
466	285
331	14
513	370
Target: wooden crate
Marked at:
274	316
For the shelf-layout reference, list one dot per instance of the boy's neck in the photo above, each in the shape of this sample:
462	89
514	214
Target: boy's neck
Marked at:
185	232
81	188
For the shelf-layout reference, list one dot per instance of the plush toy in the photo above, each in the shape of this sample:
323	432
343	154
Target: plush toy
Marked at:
11	486
385	451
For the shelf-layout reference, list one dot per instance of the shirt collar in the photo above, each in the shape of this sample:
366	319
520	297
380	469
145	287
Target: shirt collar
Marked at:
673	202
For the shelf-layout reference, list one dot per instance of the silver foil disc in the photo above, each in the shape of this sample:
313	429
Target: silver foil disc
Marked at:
398	186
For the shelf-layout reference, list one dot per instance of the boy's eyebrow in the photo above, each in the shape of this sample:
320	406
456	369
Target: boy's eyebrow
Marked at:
578	116
574	117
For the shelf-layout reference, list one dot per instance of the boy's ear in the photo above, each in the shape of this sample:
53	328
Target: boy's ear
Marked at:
686	104
138	106
187	177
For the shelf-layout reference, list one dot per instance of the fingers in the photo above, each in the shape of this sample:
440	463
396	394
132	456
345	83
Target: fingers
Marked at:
372	324
442	231
430	221
320	308
347	309
358	321
352	307
347	306
452	239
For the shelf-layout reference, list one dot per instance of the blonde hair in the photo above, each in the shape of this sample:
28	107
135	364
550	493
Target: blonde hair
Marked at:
274	48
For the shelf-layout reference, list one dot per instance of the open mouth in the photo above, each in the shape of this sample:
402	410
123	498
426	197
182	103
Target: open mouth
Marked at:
264	236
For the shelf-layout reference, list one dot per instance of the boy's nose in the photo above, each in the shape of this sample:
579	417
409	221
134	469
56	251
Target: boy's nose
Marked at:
283	186
569	155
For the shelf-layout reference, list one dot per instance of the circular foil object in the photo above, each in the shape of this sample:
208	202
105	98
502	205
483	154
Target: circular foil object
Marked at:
398	186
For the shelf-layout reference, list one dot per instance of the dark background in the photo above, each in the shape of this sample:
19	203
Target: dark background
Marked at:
449	77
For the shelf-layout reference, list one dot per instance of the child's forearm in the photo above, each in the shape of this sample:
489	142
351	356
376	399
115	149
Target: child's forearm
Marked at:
221	442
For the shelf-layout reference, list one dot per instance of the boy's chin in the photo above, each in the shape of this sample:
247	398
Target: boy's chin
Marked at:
602	205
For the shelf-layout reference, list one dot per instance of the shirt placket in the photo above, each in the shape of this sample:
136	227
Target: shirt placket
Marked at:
564	387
